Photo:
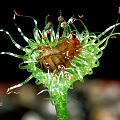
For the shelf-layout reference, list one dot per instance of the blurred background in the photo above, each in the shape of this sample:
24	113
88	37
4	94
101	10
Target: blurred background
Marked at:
98	98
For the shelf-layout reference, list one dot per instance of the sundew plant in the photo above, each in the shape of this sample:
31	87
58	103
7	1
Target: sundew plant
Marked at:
58	59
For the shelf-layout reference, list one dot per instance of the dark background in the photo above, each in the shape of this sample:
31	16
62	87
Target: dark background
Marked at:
98	15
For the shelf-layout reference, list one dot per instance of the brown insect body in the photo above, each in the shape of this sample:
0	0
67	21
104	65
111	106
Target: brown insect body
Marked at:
59	57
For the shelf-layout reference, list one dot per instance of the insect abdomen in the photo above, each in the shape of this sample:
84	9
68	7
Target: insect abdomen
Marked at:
65	52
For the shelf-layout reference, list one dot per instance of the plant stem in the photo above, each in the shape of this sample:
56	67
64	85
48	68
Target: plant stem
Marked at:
60	101
61	110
